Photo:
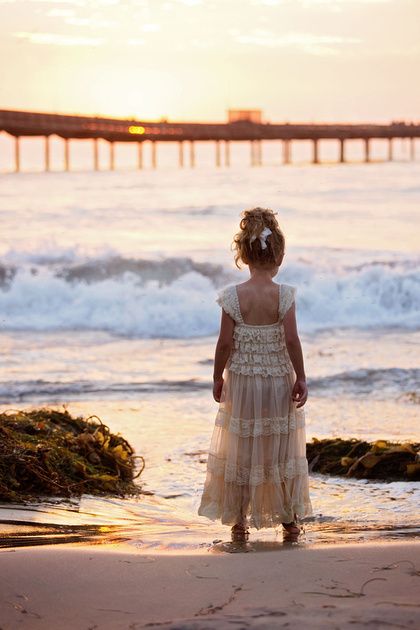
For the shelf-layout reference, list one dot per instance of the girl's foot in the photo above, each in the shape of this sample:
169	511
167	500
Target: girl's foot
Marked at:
292	527
239	532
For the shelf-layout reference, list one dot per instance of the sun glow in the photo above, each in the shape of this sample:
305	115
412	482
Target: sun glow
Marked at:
298	60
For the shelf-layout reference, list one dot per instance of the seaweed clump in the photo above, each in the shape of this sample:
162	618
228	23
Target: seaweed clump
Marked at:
390	461
44	452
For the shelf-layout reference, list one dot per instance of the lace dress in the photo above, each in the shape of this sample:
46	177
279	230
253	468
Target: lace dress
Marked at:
257	468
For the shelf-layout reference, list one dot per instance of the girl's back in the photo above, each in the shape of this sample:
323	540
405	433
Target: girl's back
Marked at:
258	345
259	303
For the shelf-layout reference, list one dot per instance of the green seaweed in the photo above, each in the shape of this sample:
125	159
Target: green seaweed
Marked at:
44	452
381	459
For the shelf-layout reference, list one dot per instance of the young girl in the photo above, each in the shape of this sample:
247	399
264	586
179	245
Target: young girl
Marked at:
257	471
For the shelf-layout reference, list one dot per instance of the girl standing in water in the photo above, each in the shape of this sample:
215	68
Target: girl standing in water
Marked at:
257	471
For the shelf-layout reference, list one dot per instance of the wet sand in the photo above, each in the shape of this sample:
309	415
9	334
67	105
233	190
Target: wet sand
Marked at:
115	587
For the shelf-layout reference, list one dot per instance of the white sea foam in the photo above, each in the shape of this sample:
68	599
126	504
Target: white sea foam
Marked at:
174	298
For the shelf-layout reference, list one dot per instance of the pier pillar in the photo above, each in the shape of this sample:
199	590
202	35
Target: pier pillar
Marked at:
259	153
181	154
390	149
111	156
367	149
342	154
227	152
287	151
154	154
217	152
252	147
95	154
256	153
192	154
412	149
17	154
315	156
140	155
66	154
47	153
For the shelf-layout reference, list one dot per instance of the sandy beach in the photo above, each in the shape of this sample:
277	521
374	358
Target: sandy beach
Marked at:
113	587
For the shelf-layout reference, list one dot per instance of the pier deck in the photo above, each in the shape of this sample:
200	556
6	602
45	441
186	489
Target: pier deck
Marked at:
23	124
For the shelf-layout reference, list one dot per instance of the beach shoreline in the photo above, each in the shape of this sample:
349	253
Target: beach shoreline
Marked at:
113	587
130	338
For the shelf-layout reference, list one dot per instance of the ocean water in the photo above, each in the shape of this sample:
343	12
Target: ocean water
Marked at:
107	306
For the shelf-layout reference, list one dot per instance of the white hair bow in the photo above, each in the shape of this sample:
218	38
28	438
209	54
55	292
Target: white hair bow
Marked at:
263	237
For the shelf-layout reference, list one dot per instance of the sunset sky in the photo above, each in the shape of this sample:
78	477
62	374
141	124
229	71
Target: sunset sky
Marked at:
297	60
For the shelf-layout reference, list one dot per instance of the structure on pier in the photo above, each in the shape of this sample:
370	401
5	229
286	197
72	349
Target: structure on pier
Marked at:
242	126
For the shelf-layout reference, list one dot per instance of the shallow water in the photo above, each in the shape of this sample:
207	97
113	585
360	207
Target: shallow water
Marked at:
107	306
172	432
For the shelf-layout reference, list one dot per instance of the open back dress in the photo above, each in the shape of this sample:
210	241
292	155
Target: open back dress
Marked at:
257	471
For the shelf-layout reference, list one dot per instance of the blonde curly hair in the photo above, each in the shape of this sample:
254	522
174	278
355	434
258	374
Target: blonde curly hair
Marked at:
250	252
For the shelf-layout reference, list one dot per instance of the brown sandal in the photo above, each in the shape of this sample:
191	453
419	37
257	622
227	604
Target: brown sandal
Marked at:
239	532
291	528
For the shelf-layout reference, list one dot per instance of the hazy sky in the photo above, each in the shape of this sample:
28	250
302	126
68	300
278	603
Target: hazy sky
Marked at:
193	59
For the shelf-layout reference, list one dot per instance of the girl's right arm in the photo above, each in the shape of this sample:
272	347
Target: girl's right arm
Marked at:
294	348
223	348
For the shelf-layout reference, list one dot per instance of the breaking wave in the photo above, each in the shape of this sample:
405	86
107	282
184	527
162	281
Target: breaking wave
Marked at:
175	297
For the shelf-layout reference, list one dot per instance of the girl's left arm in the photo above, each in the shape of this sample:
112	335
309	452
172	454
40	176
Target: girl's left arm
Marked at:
223	349
294	348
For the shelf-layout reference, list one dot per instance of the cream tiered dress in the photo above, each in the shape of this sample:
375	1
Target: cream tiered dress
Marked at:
257	471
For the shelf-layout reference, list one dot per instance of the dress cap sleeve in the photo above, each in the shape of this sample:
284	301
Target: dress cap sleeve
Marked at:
226	299
287	297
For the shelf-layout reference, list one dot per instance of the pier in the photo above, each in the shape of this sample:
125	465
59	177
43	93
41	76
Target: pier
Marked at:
241	126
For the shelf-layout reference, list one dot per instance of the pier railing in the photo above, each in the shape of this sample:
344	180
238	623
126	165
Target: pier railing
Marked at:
20	124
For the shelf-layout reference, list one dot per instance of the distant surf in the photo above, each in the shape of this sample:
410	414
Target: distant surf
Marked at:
395	382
